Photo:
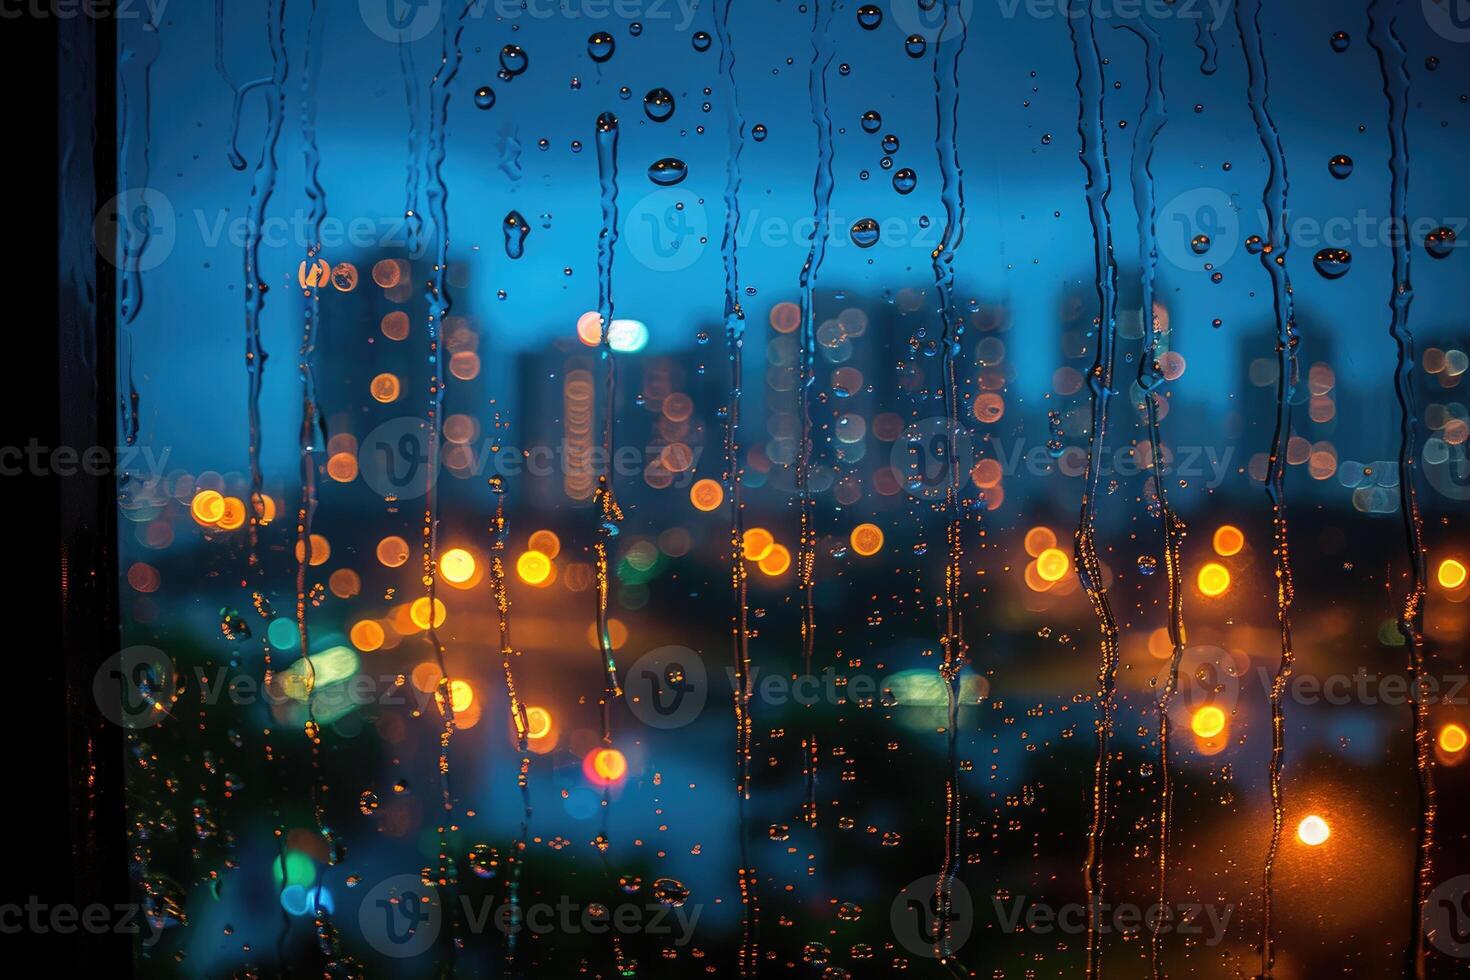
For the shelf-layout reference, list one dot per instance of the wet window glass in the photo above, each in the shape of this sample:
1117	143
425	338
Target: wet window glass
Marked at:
626	488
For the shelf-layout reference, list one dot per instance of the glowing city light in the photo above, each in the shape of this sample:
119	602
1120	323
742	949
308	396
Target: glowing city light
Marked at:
1053	564
1228	540
457	565
1208	721
706	495
533	567
1213	579
1452	574
538	723
1453	738
867	539
1313	831
757	543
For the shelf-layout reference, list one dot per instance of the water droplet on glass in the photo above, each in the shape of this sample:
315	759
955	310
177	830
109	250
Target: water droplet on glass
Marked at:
1340	41
600	46
484	861
1340	166
1333	263
890	143
758	132
865	232
915	45
1253	244
670	891
905	181
869	17
667	172
871	121
701	41
659	104
516	230
513	59
485	97
1438	243
1200	244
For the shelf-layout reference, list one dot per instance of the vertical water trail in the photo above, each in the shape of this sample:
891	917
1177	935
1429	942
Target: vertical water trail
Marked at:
609	514
822	55
413	219
952	328
1094	155
437	295
1392	66
262	187
135	227
1204	39
1150	382
734	315
308	446
238	92
1273	257
500	531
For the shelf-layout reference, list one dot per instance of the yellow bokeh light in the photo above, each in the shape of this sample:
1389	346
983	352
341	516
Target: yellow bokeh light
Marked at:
461	695
1453	738
609	764
1228	540
617	635
1038	539
538	723
392	551
545	542
385	388
1213	579
1053	564
320	550
867	539
1452	574
366	635
313	275
777	560
207	507
457	565
1208	721
1313	831
533	567
706	495
234	515
342	467
757	543
589	328
419	612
